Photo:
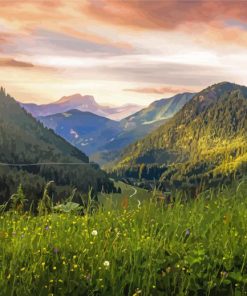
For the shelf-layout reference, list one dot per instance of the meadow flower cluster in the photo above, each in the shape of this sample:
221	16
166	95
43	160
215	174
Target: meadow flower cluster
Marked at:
197	247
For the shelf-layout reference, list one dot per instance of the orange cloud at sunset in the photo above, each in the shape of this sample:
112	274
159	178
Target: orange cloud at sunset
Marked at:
168	14
56	47
13	63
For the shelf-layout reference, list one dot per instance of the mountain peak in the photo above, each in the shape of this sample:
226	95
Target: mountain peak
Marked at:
77	99
223	86
212	93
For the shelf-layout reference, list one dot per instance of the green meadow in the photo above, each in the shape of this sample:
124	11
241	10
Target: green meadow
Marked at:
130	197
197	247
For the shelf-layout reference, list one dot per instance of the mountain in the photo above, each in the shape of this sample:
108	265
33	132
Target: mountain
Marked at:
206	138
141	123
158	111
23	140
85	130
83	103
103	139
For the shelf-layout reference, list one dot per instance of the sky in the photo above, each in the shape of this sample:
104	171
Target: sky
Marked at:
128	51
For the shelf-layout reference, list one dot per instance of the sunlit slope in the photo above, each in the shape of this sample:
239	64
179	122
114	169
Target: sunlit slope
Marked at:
211	130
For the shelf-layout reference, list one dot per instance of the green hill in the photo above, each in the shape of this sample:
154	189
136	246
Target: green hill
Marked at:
208	137
25	141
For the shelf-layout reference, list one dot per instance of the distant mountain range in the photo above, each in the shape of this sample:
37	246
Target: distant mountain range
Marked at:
87	131
23	140
82	103
102	138
206	138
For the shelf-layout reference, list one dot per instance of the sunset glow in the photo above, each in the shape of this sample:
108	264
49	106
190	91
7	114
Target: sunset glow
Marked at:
120	51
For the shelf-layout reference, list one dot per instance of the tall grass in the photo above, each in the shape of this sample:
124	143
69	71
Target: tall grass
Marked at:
193	248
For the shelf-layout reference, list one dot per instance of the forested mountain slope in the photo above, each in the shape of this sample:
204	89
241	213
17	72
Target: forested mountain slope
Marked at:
24	140
208	136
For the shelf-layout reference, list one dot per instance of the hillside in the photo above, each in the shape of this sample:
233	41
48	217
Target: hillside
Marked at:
139	124
207	137
159	110
24	140
85	103
101	138
85	130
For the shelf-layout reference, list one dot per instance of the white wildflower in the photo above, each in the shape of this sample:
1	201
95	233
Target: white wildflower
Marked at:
106	264
94	232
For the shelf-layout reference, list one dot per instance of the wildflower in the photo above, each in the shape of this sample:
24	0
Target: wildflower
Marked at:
224	274
94	232
187	233
106	264
43	264
55	250
54	268
138	292
75	266
47	227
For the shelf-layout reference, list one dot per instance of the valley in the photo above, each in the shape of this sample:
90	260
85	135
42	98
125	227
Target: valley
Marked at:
123	148
24	140
169	206
100	137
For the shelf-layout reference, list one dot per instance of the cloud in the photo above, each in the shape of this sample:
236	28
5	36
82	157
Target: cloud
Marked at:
168	14
41	3
159	90
66	43
14	63
163	73
5	38
219	34
58	22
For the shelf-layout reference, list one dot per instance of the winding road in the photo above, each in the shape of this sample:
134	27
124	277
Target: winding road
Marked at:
135	192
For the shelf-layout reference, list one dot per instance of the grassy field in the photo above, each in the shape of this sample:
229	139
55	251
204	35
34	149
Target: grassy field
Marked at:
197	248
